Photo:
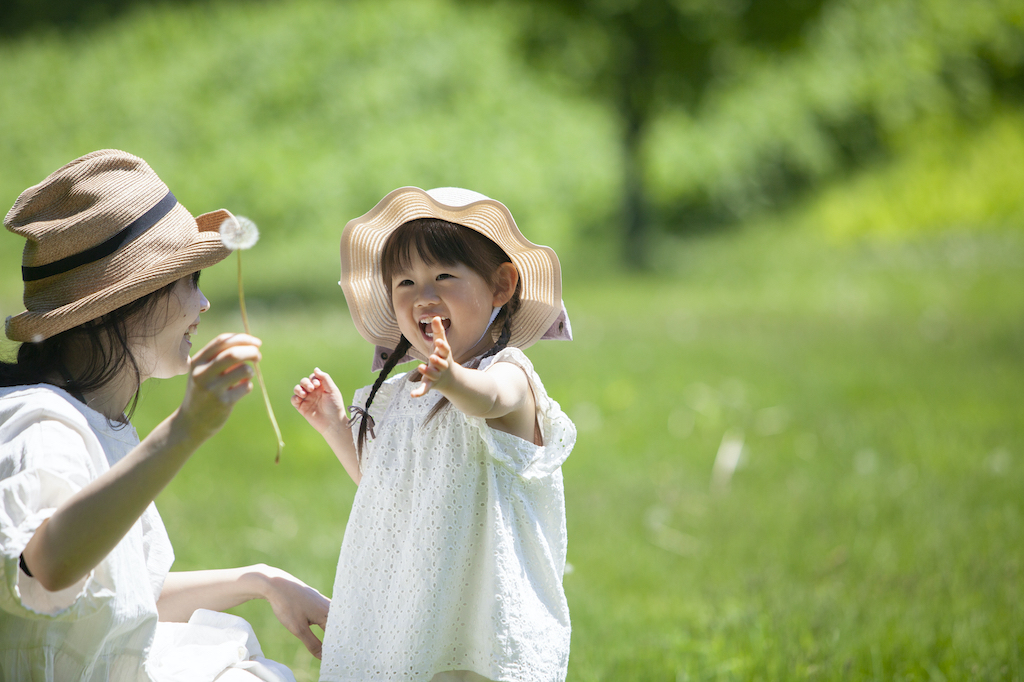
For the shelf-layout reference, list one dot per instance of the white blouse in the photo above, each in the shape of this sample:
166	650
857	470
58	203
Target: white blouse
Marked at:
455	547
103	627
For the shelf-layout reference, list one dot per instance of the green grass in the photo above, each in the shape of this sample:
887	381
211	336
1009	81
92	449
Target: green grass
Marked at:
874	525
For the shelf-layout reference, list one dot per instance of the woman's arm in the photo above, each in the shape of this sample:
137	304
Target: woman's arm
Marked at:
296	605
87	526
318	399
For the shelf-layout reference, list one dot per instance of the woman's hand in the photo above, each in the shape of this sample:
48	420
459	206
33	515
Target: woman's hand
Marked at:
437	370
298	607
219	376
318	399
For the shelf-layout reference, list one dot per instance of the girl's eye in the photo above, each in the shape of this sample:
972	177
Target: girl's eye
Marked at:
444	275
404	283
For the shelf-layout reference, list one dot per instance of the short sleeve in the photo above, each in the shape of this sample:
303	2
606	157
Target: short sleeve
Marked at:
42	463
524	458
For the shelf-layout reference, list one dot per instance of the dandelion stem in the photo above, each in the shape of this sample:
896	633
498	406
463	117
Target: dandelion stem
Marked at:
259	374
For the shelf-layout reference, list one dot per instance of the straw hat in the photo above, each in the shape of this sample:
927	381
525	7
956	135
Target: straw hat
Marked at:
541	313
102	231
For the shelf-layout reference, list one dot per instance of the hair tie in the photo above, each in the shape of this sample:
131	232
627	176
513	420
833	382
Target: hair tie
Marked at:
370	423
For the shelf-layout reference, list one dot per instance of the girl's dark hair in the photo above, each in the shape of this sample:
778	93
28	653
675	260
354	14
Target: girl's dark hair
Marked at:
102	343
438	242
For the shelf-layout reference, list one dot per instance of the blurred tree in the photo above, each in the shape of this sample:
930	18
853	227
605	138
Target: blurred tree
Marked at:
731	106
643	56
23	16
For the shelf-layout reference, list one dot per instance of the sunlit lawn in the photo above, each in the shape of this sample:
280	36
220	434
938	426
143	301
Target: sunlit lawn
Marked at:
871	530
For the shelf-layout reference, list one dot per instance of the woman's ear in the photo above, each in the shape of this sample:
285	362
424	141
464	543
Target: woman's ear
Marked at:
505	284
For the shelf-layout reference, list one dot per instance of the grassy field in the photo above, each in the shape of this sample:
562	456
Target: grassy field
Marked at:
872	528
801	449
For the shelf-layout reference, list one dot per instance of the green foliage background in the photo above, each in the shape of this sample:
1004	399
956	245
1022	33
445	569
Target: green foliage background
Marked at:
857	323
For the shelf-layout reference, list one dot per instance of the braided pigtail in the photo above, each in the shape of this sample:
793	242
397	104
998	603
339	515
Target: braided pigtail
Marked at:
366	422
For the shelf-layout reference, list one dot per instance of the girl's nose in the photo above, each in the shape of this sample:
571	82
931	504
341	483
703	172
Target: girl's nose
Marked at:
204	303
427	295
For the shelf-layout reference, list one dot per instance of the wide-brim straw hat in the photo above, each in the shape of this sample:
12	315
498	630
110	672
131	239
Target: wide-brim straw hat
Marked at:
101	232
541	313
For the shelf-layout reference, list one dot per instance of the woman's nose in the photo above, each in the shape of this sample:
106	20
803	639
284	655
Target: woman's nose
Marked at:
204	303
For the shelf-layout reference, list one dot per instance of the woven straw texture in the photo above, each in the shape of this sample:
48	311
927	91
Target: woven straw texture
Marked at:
362	243
82	205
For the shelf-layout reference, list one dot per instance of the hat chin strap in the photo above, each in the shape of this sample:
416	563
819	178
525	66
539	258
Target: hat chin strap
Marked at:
494	315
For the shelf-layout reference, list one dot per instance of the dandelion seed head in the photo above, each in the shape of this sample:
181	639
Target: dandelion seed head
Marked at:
239	233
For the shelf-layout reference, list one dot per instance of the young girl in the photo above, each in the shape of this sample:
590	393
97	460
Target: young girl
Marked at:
451	565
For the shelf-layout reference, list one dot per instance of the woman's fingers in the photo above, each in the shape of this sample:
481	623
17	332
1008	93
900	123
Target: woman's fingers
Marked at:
236	393
222	341
230	378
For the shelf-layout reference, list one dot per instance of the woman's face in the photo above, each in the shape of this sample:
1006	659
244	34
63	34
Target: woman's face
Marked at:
165	346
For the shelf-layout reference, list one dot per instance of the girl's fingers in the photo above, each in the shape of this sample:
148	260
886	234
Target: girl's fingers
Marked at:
325	379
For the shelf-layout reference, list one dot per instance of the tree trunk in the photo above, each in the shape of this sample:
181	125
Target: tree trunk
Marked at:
635	93
634	201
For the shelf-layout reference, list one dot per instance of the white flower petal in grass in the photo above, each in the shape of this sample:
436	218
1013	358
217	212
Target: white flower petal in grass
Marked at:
239	233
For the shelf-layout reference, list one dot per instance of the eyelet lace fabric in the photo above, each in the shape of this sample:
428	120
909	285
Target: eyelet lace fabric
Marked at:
455	547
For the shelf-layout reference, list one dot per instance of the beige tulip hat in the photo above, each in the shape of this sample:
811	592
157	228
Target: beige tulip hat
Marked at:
101	232
541	314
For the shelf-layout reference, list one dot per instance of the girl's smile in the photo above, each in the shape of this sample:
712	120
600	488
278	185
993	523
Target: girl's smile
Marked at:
457	294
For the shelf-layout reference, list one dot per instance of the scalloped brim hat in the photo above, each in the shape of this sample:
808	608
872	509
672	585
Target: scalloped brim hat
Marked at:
541	313
101	232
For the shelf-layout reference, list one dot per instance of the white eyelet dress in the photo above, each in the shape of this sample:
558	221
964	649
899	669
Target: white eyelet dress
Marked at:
103	628
455	547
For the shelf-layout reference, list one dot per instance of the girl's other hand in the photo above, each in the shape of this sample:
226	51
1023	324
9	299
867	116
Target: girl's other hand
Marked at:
437	369
219	375
318	399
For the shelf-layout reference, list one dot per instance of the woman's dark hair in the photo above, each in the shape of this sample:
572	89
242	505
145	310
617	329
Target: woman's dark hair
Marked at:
103	343
438	242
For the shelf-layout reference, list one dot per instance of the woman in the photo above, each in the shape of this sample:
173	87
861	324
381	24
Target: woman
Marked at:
111	268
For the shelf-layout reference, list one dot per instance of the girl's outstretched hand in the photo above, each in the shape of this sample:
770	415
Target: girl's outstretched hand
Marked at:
318	399
219	375
438	367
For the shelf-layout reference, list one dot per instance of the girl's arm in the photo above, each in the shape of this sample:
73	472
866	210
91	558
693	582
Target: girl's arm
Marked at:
87	526
318	399
296	605
501	394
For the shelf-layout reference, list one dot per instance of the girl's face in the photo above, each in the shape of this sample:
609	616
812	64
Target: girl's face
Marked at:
455	293
164	351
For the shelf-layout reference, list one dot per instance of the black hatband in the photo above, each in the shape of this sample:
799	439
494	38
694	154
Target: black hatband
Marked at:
133	230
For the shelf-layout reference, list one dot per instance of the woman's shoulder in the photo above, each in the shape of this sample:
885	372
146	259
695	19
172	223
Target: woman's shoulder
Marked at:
38	403
43	400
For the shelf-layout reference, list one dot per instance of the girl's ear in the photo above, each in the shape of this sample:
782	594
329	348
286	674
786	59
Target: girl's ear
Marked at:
505	284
